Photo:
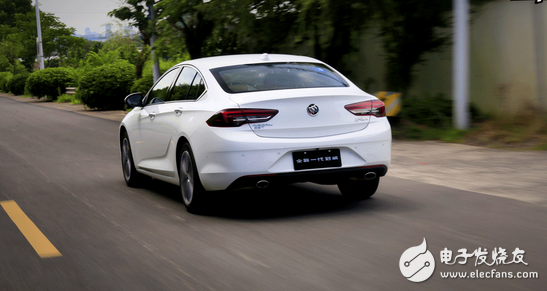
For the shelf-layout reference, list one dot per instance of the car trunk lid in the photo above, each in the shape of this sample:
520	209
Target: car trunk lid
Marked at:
305	113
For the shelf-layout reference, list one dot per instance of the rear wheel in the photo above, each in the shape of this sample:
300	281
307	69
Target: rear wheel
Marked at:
358	189
132	178
190	186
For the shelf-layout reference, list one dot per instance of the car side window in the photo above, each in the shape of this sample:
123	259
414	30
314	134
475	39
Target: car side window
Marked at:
184	86
160	92
197	88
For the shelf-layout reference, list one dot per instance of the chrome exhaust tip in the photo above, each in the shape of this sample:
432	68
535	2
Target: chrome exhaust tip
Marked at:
262	184
370	175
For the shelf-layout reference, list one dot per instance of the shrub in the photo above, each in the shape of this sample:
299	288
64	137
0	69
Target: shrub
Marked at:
16	85
105	87
433	111
51	82
64	98
4	78
147	81
143	84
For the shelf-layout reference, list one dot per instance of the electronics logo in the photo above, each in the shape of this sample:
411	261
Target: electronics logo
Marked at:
417	263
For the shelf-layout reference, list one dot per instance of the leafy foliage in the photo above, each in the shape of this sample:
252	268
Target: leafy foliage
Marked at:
51	82
4	78
105	87
8	8
143	84
65	98
136	13
190	18
18	35
10	51
409	30
147	81
332	27
57	38
432	111
126	45
16	85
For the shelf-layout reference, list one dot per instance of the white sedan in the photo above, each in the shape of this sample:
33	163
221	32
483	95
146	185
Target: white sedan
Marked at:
242	121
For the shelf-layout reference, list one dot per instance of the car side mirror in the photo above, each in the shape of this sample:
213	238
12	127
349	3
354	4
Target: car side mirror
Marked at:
134	100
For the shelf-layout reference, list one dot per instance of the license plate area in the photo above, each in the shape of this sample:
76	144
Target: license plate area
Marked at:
316	159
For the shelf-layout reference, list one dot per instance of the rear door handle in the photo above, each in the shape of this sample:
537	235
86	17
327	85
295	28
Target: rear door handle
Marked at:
152	116
178	111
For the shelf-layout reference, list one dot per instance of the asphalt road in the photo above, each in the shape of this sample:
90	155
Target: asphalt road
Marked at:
63	171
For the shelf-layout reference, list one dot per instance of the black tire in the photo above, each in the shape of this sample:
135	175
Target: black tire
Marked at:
355	190
130	174
191	190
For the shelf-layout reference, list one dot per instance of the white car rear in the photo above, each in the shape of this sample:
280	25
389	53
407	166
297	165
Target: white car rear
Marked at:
253	121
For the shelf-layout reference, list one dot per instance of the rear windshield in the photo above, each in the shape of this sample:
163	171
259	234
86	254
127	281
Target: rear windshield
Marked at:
276	76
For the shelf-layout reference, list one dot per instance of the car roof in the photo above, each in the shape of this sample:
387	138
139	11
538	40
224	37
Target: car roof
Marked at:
232	60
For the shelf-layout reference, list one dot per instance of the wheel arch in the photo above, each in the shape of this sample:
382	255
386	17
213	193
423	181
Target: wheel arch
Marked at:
122	132
180	142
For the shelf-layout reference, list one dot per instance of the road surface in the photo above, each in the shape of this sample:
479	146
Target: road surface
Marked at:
62	169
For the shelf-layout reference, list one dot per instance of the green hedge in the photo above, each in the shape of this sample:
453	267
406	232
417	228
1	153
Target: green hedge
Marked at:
16	85
143	84
4	78
51	82
105	87
433	111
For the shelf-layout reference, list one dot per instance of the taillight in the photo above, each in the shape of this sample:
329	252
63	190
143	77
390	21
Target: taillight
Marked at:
372	107
238	117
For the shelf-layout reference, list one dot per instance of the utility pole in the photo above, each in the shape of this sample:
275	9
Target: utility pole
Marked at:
39	39
460	82
155	61
541	61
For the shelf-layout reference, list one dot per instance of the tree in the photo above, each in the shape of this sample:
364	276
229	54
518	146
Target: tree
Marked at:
409	30
57	38
124	42
12	45
9	8
332	27
229	26
263	25
10	49
136	13
191	20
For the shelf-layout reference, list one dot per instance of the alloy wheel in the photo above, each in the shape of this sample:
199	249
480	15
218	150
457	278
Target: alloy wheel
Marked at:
186	177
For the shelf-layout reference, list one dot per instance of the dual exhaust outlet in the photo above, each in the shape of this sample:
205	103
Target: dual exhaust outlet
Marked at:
265	183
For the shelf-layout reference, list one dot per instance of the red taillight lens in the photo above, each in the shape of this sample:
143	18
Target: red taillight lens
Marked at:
238	117
372	107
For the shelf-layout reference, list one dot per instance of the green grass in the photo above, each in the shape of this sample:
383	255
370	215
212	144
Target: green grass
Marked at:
521	132
418	132
540	147
65	98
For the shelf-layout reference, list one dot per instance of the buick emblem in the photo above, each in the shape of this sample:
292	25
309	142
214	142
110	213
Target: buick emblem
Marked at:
313	110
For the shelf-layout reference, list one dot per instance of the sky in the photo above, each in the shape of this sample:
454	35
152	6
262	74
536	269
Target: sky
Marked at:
82	13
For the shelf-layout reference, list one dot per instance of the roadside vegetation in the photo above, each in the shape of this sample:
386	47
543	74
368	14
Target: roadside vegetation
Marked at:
68	98
430	118
105	72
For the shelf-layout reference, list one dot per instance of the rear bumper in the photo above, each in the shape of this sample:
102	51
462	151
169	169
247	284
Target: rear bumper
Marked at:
325	177
225	158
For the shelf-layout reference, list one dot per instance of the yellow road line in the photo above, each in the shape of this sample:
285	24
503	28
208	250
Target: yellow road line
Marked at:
35	237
